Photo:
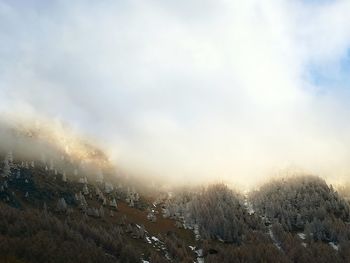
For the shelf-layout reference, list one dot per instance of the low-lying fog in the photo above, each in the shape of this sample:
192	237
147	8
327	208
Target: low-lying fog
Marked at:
193	92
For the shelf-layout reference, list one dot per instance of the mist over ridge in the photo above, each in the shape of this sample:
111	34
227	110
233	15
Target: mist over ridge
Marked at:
36	138
226	91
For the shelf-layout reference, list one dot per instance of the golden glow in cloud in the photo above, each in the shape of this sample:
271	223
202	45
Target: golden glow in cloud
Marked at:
193	91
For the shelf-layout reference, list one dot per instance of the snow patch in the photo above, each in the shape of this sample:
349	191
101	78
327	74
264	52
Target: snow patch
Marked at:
199	252
334	246
274	239
155	239
302	236
248	205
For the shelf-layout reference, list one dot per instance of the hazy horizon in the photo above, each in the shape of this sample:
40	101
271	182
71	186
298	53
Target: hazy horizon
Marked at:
196	91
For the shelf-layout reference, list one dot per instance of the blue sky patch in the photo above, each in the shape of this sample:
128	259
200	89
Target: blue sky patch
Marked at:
332	77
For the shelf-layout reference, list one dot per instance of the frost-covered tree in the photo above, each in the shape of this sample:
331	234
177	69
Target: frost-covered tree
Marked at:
6	172
108	188
85	189
64	177
215	212
61	205
10	157
304	203
102	211
99	177
51	167
113	203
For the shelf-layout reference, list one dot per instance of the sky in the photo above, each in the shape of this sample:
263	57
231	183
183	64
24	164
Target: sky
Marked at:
190	90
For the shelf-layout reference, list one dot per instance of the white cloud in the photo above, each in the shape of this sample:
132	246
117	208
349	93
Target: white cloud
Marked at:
187	89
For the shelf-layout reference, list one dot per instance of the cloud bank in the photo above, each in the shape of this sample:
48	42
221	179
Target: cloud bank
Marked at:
188	90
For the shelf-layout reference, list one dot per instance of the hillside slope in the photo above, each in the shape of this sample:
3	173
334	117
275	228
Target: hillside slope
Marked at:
60	206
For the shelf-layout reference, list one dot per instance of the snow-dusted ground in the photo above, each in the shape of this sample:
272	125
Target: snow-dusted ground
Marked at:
196	232
302	236
275	242
334	246
200	258
157	244
199	253
248	205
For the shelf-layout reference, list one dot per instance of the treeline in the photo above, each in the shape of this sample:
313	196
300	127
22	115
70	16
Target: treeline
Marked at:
217	211
305	204
296	219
